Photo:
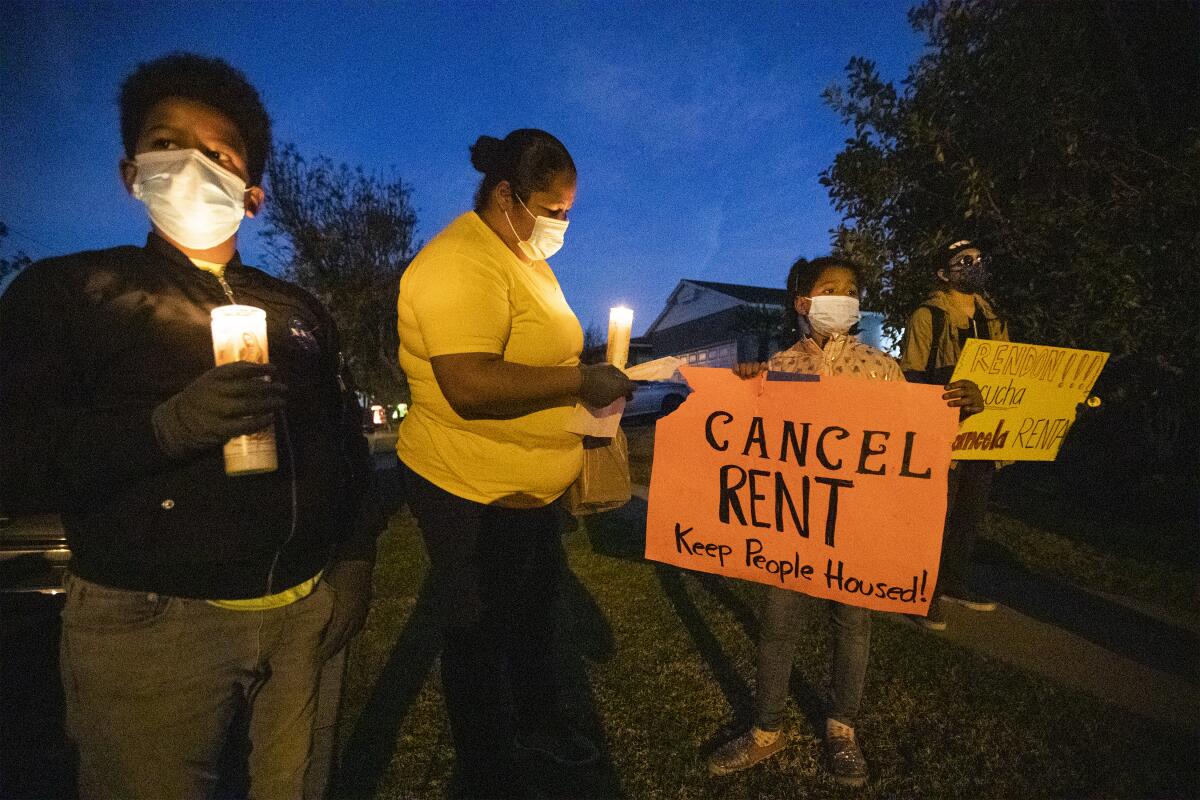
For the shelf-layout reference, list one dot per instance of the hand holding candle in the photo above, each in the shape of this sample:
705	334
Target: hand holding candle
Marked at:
240	334
620	325
604	388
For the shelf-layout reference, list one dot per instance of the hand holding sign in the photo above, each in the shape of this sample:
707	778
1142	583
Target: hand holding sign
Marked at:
965	395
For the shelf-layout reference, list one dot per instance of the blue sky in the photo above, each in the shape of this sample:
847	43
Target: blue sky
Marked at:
698	128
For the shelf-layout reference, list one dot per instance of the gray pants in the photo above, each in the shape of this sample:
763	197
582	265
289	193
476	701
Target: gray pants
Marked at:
153	682
779	635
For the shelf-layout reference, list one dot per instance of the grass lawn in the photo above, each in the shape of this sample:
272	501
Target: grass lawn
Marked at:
659	665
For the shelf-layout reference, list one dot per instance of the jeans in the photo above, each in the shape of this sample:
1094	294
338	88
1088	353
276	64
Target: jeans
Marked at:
969	486
779	635
495	574
152	684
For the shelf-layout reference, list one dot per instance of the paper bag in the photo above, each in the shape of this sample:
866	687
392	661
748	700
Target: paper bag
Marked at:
603	483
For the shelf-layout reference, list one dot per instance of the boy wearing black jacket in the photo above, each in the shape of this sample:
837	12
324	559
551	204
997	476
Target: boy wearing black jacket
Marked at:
191	593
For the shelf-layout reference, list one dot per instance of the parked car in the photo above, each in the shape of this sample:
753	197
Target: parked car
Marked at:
33	554
656	397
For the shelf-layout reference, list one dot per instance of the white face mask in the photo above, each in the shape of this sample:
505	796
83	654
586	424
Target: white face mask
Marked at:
830	314
194	201
546	238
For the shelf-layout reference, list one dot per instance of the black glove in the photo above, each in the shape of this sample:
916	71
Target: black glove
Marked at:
350	582
600	384
225	402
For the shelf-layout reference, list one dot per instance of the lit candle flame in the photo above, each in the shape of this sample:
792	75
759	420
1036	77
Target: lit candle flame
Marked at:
620	326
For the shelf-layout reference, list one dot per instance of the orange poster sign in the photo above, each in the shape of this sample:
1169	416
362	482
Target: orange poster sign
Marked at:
833	487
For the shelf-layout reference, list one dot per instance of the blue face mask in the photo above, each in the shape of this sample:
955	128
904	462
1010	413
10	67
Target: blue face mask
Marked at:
546	238
832	314
189	198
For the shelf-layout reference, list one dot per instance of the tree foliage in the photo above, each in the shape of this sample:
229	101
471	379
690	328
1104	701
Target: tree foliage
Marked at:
1063	136
595	341
11	265
346	236
768	326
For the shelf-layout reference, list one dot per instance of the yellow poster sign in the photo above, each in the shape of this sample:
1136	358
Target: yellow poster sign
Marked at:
1030	394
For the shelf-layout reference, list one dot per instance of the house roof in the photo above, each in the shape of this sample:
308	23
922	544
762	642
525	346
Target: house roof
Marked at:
740	292
748	294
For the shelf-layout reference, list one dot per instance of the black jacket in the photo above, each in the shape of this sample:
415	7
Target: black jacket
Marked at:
90	343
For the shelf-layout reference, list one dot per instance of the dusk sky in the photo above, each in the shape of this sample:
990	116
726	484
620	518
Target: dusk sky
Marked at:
698	129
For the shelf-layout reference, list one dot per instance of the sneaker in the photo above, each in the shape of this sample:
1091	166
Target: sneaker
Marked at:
845	760
936	619
744	751
969	599
560	743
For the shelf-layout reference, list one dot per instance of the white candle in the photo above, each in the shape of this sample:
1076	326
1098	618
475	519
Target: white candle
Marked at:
620	325
240	334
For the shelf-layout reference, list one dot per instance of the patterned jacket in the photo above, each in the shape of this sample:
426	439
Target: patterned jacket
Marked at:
842	355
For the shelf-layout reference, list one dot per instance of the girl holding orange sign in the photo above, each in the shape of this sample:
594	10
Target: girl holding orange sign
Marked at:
823	294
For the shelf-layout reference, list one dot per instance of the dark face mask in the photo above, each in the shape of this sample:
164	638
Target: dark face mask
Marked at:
968	274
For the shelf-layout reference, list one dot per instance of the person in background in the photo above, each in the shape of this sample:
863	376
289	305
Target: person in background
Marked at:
955	311
491	350
823	297
193	598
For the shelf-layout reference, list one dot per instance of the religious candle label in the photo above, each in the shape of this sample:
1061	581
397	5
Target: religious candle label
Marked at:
240	334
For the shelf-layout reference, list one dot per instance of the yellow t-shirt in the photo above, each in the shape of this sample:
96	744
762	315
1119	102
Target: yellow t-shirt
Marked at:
466	292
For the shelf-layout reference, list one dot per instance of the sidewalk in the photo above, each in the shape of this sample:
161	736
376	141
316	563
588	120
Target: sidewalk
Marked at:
1104	646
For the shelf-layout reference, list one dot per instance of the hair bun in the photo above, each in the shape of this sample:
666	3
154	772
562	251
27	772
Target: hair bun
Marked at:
485	154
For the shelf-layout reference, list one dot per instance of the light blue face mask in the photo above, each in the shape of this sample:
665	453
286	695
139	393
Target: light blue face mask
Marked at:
190	199
546	238
832	314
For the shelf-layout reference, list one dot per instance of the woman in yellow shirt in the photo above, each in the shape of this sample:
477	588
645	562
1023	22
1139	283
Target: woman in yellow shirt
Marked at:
491	351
